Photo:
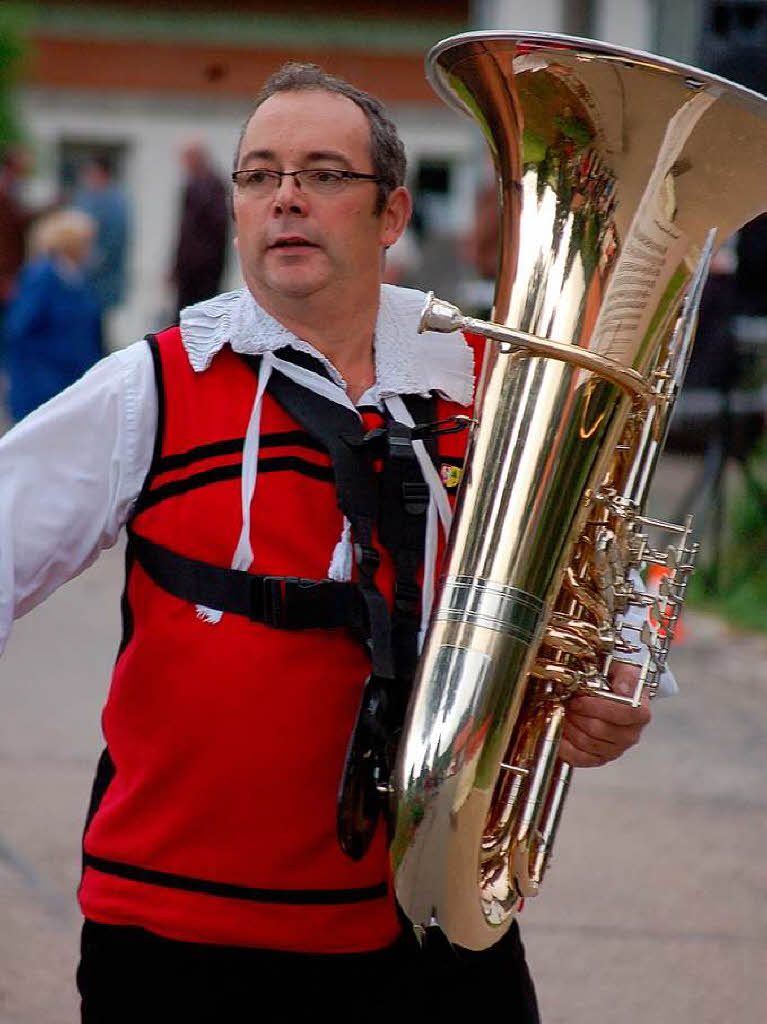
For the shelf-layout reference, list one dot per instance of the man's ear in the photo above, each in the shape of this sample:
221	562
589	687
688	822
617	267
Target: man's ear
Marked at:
396	215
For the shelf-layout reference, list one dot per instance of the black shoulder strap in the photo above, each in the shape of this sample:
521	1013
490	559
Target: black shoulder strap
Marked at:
341	431
402	529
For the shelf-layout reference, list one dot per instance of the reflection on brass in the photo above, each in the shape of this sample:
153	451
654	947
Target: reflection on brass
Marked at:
617	171
585	432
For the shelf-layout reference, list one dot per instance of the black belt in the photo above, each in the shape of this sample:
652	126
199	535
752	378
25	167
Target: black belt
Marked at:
284	602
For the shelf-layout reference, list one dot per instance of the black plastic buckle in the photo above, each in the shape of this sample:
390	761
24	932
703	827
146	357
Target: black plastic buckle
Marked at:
368	559
406	597
415	495
272	601
399	439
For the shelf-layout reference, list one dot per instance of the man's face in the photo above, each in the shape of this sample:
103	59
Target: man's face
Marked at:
292	244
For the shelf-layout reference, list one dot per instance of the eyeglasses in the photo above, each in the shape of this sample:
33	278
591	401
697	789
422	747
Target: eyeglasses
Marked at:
320	181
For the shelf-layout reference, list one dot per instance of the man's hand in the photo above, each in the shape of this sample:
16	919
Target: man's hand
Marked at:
597	730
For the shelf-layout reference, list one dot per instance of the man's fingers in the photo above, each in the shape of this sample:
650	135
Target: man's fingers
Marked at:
623	677
593	739
579	758
598	736
609	711
597	730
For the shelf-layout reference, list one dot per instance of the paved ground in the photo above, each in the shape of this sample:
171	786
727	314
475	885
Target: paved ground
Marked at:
654	912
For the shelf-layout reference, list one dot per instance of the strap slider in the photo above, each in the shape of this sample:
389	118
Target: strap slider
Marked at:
406	597
272	601
400	441
415	494
367	558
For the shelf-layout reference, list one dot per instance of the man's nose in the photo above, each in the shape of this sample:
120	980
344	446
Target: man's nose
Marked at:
289	195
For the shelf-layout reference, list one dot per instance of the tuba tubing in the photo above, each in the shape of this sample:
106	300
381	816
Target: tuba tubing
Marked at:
617	172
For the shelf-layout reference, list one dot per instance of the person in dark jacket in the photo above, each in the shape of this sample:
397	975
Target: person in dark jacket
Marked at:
14	221
53	323
203	233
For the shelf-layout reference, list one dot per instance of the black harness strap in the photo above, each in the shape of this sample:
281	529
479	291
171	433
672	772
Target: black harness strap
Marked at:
341	431
397	502
402	529
284	602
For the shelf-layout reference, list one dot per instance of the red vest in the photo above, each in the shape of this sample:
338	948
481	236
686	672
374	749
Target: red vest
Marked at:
214	812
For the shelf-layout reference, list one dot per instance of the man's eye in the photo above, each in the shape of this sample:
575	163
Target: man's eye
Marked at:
326	177
256	177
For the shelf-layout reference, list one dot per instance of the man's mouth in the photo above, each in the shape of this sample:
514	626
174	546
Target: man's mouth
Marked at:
293	242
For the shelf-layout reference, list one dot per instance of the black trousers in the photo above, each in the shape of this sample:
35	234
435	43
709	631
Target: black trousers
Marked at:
128	974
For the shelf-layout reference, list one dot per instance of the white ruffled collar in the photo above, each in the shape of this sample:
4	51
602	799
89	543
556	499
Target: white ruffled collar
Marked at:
406	362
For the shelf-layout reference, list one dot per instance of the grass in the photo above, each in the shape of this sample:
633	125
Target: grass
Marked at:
740	593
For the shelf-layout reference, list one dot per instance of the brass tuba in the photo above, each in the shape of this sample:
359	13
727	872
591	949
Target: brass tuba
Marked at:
617	174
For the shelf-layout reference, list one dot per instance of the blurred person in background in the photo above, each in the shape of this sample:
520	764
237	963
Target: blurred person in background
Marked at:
274	559
403	260
203	233
14	220
480	251
53	322
100	196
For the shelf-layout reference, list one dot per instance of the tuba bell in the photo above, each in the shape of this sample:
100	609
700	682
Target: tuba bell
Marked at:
618	175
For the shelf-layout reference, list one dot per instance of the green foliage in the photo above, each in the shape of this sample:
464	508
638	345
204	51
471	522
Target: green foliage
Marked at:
13	50
741	593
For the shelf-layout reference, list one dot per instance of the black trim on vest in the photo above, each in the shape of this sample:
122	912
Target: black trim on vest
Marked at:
168	463
105	772
234	446
154	349
229	890
283	602
126	610
233	471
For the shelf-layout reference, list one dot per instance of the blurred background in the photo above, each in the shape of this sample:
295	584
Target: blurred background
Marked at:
128	112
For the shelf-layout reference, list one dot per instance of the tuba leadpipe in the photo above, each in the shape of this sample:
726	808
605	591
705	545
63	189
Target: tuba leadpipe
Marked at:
618	175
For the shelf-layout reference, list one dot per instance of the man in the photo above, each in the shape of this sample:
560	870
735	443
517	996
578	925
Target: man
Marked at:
203	232
213	884
100	196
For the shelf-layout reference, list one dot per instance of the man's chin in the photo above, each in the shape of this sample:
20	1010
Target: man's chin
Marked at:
295	285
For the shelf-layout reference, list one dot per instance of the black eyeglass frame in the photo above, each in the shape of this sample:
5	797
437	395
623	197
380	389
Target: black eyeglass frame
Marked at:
279	175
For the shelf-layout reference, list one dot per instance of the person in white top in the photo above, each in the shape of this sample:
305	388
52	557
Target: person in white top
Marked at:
314	214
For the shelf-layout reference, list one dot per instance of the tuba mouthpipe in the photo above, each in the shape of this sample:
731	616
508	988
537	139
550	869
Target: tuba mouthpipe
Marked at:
443	317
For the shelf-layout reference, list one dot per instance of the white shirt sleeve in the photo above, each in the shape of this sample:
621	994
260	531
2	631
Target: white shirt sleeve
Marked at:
667	684
70	473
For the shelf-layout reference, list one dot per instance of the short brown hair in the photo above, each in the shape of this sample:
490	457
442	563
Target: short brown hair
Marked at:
386	150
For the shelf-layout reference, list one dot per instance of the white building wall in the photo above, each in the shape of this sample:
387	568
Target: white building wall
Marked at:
153	129
625	22
529	15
